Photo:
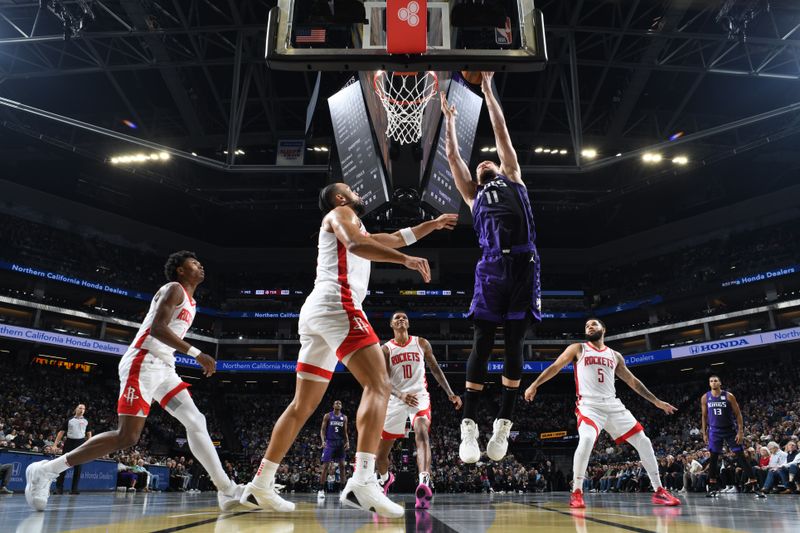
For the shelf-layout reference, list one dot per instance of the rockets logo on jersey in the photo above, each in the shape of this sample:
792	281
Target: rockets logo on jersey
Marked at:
594	374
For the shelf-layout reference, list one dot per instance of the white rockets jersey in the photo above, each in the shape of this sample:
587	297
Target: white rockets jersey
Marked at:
594	374
180	321
342	277
407	366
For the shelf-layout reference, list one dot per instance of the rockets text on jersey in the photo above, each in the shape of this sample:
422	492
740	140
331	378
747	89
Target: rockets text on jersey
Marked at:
407	366
594	374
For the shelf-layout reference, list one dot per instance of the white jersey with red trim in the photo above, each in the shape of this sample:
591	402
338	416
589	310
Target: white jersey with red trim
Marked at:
342	277
180	322
407	366
594	375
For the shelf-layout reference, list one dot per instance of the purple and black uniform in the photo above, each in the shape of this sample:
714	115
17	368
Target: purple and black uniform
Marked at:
721	423
334	439
507	285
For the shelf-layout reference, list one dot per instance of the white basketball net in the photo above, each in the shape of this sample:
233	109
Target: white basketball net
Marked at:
404	96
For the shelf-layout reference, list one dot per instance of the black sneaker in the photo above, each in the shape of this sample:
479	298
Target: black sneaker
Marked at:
760	494
712	494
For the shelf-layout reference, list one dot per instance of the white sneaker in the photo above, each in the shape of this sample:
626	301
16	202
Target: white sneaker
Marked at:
37	486
498	444
369	497
732	490
468	451
266	499
320	494
228	502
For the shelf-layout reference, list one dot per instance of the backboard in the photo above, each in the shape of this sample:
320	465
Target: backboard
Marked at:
351	35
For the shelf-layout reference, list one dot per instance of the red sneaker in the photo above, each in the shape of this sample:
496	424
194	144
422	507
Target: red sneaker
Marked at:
576	500
663	497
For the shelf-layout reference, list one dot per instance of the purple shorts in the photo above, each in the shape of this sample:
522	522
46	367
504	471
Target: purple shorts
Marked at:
718	437
507	287
333	453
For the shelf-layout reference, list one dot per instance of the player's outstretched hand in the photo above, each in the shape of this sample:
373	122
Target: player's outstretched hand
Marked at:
448	110
447	221
456	399
486	81
420	264
530	393
409	398
667	408
208	363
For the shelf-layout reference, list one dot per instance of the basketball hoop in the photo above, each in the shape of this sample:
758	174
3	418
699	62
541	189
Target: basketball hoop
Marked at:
404	96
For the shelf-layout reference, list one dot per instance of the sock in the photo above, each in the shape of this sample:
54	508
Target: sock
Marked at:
424	478
471	398
385	477
648	457
265	476
57	465
365	466
509	400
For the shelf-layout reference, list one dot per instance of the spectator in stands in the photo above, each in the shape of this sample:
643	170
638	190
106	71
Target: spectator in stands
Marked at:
777	458
5	478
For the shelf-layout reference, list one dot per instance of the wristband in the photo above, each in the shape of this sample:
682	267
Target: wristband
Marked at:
408	236
193	352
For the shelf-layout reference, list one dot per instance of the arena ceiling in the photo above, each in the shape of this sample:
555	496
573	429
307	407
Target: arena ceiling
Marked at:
721	77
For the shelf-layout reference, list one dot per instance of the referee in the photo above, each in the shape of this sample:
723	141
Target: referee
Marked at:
76	430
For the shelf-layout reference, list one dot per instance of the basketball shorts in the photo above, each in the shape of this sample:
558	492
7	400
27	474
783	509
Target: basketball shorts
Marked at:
144	378
397	412
611	416
328	334
507	287
333	452
718	437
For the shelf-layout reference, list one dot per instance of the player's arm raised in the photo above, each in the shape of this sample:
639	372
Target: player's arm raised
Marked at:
567	356
509	165
633	382
461	174
436	370
704	423
739	420
161	332
323	428
401	238
343	223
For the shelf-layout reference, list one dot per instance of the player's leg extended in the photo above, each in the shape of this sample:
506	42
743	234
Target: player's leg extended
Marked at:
482	344
39	475
587	435
647	455
423	494
183	408
512	373
383	462
368	366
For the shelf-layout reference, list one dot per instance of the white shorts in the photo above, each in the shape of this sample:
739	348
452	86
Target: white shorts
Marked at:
611	416
329	333
144	378
397	412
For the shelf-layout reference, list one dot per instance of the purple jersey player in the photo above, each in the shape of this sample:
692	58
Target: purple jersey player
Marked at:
722	423
335	443
507	288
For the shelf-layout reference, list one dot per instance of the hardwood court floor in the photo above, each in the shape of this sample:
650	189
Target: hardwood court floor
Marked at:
163	513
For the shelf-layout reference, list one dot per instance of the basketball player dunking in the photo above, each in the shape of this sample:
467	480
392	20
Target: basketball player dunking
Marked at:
147	373
598	408
406	357
335	443
507	288
722	422
333	328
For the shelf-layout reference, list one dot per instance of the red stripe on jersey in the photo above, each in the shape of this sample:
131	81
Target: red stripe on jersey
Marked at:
587	420
191	301
425	412
410	338
630	433
171	394
391	436
344	284
140	340
362	335
311	369
130	403
589	344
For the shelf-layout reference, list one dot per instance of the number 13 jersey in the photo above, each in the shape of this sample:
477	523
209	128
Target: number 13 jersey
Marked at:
594	375
407	366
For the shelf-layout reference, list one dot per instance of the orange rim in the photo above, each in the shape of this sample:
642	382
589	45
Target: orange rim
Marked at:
382	95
